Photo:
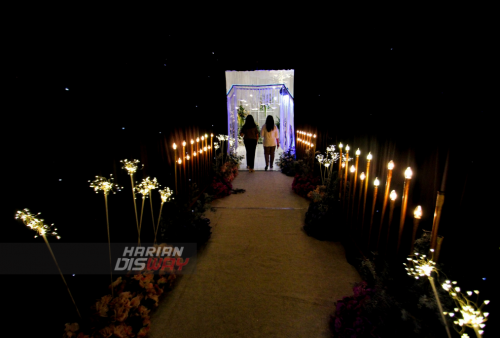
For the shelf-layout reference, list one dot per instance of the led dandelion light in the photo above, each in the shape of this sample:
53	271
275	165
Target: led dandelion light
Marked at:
144	189
320	159
472	315
166	196
152	184
101	183
32	222
423	266
131	167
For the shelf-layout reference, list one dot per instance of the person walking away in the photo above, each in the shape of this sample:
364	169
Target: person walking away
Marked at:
250	135
271	140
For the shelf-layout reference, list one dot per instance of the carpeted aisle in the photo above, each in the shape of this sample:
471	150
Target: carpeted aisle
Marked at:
259	275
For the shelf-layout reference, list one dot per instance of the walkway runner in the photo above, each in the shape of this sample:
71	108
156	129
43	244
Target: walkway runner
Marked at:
259	275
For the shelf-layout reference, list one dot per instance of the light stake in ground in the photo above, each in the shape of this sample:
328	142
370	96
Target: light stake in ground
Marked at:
392	197
358	152
417	215
131	167
404	204
361	178
368	158
390	167
376	184
345	173
175	166
32	222
353	170
101	183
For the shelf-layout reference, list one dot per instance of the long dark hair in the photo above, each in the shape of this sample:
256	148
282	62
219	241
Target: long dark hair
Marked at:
269	123
249	123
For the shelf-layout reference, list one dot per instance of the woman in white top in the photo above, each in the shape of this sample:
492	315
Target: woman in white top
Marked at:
271	142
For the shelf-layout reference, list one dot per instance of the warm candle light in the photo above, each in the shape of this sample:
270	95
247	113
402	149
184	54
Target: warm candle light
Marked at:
343	164
353	169
393	195
418	212
390	165
179	161
358	152
408	173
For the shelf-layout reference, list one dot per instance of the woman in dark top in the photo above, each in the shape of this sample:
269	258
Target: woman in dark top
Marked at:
250	136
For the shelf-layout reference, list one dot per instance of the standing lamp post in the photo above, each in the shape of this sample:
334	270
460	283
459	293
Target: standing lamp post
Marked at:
345	173
211	147
339	175
353	170
183	158
376	183
437	216
390	167
416	219
355	181
175	165
404	204
179	161
392	197
368	158
361	178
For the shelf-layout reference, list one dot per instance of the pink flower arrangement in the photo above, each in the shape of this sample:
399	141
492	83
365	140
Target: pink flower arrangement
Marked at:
117	316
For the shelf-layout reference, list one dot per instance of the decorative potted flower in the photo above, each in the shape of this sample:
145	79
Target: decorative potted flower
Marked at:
242	114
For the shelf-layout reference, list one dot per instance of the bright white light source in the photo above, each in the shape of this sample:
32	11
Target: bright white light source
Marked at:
66	88
123	127
60	179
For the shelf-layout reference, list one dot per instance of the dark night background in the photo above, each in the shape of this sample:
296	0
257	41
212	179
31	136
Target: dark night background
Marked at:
409	101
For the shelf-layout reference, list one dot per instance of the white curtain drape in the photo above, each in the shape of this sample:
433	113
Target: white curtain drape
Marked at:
261	101
260	77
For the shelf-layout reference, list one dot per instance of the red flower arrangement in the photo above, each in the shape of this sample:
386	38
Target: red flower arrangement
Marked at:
302	185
